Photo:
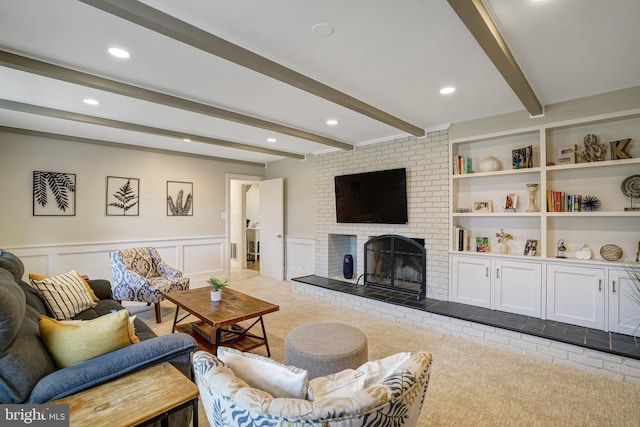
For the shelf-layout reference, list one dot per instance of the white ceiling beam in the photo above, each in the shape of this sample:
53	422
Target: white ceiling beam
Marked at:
477	19
155	20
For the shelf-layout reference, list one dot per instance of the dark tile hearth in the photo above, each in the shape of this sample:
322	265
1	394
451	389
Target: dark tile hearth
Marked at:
608	342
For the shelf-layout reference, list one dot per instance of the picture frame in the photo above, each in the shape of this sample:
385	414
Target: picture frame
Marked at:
530	247
179	198
482	206
522	158
54	193
482	244
122	196
511	202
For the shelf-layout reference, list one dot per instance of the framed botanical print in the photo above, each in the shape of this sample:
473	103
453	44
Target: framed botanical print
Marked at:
54	193
123	196
179	198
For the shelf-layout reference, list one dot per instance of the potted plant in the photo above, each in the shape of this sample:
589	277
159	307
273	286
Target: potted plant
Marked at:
503	240
216	284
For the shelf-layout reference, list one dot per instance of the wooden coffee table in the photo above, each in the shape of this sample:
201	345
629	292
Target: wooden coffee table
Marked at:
218	324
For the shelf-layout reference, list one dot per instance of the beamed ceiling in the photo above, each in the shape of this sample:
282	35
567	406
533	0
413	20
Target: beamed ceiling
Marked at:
224	79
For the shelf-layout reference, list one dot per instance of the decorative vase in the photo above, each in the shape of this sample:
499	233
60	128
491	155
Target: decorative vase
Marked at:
490	164
532	188
504	248
216	295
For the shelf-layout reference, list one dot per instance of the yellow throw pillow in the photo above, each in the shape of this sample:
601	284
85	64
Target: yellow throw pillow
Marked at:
94	298
72	343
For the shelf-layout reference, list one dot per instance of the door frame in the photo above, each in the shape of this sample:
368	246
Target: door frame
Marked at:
227	218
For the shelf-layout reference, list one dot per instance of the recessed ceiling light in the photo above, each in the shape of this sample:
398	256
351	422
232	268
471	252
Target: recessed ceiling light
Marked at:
447	90
186	139
271	140
332	122
119	53
90	101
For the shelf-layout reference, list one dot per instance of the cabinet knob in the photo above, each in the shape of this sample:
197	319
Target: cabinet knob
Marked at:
279	236
614	286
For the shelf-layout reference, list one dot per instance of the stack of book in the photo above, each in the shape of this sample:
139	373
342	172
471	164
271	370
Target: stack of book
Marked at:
558	201
461	165
461	239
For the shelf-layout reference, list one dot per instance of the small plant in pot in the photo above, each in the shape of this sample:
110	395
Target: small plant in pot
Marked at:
216	284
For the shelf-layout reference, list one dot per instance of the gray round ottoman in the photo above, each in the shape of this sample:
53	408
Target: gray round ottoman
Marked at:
325	348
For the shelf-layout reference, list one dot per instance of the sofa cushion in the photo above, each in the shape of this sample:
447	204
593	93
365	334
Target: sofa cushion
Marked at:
73	342
23	357
33	276
266	374
65	294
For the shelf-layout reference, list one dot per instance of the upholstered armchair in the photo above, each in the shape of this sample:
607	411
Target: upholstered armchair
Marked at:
139	274
247	390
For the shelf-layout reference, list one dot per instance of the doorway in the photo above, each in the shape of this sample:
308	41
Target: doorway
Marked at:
255	243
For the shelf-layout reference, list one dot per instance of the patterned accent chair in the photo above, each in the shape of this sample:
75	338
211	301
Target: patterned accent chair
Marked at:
139	274
388	392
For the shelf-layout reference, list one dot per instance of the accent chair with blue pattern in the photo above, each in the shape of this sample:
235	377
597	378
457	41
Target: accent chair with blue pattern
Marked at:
139	274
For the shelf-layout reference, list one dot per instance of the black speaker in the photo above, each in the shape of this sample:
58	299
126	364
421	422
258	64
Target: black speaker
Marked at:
347	267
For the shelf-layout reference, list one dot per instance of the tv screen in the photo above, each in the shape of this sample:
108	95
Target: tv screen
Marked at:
372	197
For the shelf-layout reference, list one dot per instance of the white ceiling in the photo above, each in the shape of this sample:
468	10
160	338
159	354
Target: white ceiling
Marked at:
393	55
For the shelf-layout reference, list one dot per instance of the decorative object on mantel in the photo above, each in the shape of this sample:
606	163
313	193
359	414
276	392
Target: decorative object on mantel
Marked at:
618	149
584	252
630	187
490	164
590	204
593	152
216	284
532	188
611	252
503	241
562	249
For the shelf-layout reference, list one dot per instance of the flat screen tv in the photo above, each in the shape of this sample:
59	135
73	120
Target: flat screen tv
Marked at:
372	197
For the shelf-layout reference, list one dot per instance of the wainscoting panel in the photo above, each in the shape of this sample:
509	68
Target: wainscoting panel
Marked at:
300	256
198	258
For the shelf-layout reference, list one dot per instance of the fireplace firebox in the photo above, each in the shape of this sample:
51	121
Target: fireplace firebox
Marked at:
396	262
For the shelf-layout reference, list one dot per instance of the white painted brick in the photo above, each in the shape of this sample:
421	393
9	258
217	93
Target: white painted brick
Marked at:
497	339
605	373
587	360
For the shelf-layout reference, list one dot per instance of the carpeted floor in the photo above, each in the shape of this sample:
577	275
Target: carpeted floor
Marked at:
471	384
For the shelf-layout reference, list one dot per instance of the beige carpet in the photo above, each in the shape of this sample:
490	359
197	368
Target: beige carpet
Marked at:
471	384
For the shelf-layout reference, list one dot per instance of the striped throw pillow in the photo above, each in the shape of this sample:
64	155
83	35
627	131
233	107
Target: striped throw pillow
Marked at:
65	295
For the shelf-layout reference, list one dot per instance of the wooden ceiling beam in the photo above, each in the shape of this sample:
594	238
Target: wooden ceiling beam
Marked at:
477	19
155	20
99	121
57	72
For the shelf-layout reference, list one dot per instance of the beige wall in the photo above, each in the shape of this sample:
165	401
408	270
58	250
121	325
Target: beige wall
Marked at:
299	192
21	155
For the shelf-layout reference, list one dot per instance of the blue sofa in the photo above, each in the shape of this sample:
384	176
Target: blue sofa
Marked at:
28	374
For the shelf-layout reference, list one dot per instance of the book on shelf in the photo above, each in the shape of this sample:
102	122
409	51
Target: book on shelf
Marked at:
558	201
461	238
461	165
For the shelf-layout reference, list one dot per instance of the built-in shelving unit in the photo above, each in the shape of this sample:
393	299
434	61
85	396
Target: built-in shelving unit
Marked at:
551	286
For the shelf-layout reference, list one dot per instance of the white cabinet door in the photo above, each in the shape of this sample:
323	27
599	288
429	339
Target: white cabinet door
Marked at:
576	295
517	287
624	312
471	281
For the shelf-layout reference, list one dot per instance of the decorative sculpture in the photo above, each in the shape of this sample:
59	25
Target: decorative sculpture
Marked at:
593	151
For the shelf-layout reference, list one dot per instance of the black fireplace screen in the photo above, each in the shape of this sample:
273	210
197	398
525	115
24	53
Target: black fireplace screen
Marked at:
396	262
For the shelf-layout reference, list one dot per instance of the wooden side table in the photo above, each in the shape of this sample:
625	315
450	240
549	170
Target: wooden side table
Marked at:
136	399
